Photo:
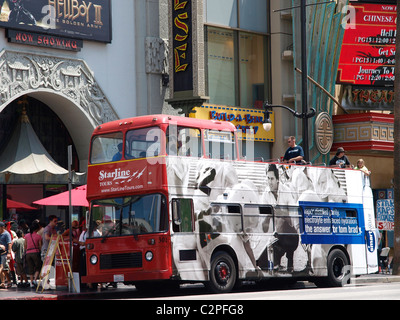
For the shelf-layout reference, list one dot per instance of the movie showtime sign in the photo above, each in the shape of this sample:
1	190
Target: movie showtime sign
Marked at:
76	19
368	50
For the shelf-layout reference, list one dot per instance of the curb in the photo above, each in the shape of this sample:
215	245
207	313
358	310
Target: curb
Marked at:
378	279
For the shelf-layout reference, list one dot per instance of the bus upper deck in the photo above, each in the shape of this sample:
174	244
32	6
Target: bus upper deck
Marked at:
155	135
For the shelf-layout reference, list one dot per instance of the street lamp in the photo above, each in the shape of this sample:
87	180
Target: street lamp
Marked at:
267	124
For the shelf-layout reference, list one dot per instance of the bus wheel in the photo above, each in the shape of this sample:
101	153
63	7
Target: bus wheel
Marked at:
222	273
337	270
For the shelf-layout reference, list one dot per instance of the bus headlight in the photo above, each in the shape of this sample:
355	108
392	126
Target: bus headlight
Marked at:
149	256
93	259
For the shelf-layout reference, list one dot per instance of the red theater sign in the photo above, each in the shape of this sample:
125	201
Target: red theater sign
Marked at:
368	50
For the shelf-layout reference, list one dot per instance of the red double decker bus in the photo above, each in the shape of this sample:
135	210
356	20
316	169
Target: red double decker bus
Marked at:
171	200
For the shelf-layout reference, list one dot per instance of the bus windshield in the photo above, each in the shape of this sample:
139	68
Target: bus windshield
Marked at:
131	215
106	148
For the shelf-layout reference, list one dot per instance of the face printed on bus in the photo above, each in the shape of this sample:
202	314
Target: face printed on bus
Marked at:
273	182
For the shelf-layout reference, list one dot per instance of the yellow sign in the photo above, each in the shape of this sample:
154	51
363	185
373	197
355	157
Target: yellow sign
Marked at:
245	120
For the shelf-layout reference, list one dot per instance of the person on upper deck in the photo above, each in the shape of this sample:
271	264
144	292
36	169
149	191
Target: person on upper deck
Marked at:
361	166
340	160
295	153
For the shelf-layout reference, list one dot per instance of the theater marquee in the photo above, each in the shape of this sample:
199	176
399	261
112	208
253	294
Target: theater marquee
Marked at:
77	19
369	48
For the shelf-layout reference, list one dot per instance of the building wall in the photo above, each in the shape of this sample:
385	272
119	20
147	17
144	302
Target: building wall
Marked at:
381	167
282	74
122	78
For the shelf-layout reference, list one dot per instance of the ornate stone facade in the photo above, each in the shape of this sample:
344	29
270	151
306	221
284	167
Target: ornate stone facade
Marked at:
156	55
324	132
23	73
364	131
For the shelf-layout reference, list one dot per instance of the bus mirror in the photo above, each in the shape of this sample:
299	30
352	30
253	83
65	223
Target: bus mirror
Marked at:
176	211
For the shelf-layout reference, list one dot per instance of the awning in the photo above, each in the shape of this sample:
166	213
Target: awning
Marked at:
26	161
78	198
11	204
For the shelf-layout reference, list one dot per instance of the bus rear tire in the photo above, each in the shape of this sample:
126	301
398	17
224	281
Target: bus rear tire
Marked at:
223	275
337	270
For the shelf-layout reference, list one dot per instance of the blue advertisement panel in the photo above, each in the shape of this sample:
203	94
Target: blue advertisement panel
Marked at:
332	223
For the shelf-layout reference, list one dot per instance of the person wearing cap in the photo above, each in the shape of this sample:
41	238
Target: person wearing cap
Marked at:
340	159
5	255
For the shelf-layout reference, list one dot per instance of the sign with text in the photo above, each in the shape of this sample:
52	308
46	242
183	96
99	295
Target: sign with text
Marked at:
332	223
77	19
182	45
368	98
385	214
368	49
327	221
245	120
44	40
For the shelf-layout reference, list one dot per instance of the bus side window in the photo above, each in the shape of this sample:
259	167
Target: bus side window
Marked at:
351	214
287	219
143	143
258	218
182	215
234	208
220	144
266	210
182	141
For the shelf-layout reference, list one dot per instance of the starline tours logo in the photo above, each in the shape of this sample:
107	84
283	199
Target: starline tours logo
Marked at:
118	176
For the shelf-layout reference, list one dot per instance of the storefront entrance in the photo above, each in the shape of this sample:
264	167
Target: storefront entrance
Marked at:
54	138
64	104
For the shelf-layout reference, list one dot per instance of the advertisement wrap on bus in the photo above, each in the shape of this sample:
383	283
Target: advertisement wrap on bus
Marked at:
172	199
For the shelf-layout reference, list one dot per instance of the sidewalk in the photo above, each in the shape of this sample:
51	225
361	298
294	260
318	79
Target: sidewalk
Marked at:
378	278
15	293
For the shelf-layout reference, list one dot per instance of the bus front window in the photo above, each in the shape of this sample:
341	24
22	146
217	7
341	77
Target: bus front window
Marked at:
106	148
125	216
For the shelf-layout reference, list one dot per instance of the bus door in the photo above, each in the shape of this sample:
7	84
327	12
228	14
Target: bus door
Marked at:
188	263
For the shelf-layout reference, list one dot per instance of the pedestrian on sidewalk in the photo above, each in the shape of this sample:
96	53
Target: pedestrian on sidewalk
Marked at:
5	256
12	227
18	247
33	259
48	232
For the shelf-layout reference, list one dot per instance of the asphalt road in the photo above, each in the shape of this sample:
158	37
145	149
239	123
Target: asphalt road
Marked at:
302	300
299	291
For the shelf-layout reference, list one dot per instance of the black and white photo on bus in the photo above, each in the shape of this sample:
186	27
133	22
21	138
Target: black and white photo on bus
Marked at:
255	210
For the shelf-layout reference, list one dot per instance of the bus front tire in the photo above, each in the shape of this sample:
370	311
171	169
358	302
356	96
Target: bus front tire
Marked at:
222	274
